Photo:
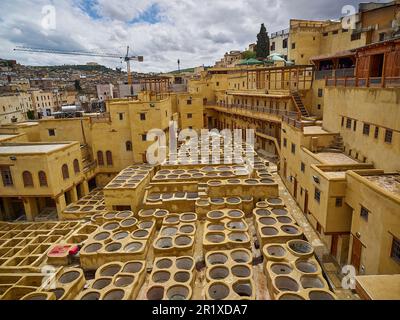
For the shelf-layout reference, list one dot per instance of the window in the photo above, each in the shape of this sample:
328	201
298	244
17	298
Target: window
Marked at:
355	125
388	136
109	158
342	121
355	36
52	132
189	102
339	202
293	45
319	107
100	158
65	172
189	116
285	142
376	134
320	93
284	44
348	124
395	252
325	34
335	32
345	30
303	167
382	36
128	146
142	116
7	177
317	195
144	137
293	148
27	178
366	129
121	116
364	213
42	179
273	46
217	84
76	166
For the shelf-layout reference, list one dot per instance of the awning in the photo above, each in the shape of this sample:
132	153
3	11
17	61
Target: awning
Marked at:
340	54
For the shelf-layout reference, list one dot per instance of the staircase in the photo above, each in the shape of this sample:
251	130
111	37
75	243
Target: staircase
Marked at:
336	145
299	104
87	158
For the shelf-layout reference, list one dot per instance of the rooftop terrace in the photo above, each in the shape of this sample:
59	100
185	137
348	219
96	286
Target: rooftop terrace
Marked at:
388	182
31	148
335	158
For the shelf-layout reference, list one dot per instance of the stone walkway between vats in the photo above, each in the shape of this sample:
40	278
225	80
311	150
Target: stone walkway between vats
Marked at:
329	265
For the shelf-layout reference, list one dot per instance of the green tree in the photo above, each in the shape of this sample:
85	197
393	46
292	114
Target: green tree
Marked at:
248	55
262	43
78	86
31	115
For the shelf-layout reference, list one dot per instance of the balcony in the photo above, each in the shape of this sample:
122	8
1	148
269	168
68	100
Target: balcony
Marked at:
372	82
338	73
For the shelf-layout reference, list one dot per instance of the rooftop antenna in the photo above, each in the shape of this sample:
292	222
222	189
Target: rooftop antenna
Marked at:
179	66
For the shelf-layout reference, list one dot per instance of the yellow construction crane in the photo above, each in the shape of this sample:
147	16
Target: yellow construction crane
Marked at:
127	58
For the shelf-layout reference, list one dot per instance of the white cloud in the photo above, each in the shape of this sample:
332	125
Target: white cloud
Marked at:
196	32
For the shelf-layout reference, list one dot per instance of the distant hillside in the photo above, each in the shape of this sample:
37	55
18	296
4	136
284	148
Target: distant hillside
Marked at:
182	70
76	67
186	70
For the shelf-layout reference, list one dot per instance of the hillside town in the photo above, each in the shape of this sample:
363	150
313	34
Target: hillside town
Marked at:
295	195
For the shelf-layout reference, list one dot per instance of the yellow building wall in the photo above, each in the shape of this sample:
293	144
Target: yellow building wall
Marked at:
51	164
377	107
377	233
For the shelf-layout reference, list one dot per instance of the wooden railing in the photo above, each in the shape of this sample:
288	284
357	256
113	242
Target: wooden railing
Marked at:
338	73
261	109
371	82
297	123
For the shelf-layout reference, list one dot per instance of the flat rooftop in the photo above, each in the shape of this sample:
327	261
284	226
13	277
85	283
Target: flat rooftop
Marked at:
31	148
379	287
314	130
388	182
6	136
335	158
335	174
27	124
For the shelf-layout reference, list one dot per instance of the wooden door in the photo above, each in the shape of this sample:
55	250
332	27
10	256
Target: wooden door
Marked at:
356	253
295	189
284	169
334	245
306	202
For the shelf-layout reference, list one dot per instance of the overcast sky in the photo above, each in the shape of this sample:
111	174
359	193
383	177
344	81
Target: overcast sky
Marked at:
197	32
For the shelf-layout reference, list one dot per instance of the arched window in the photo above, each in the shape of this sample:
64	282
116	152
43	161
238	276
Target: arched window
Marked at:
100	158
42	179
76	166
28	180
65	171
109	158
128	145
